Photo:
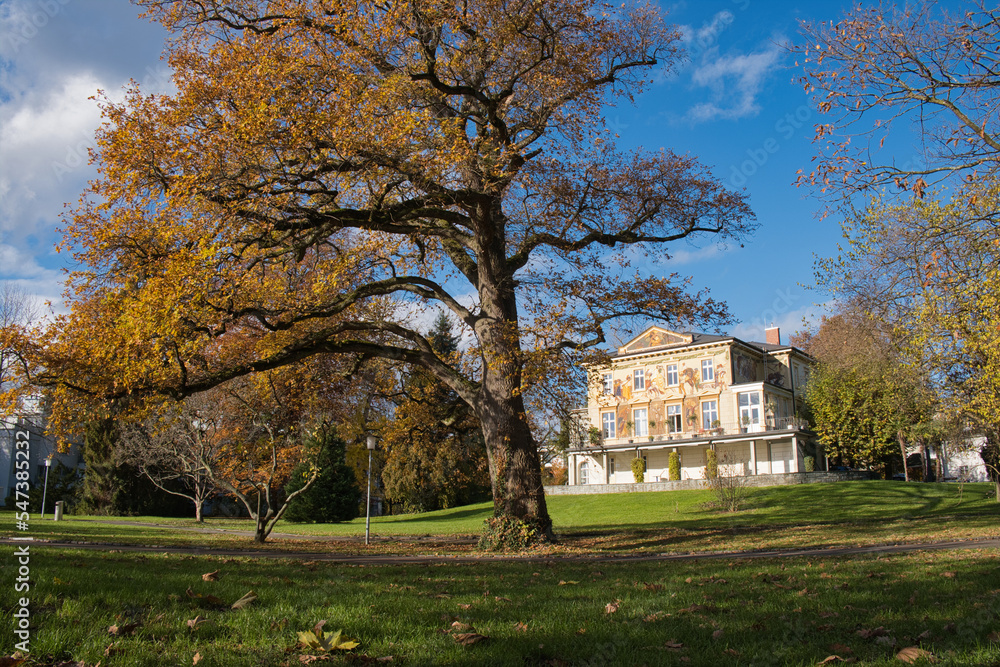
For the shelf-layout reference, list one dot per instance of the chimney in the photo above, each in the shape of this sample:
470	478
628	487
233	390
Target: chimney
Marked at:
773	336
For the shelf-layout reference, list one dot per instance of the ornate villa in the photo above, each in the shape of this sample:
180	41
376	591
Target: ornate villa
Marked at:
688	393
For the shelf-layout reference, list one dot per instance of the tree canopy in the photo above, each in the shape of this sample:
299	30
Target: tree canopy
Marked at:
887	66
327	171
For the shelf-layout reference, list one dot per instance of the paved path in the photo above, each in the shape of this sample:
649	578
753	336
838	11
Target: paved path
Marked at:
822	552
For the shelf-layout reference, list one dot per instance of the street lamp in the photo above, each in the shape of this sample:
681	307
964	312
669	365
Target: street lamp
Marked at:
45	489
368	505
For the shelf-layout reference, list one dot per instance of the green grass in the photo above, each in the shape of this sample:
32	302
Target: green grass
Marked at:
772	612
845	513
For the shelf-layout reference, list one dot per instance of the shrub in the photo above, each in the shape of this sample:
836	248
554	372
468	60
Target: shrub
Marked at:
674	467
732	489
810	463
638	469
711	464
334	495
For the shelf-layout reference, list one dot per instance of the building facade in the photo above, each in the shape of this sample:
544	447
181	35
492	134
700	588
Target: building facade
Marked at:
666	391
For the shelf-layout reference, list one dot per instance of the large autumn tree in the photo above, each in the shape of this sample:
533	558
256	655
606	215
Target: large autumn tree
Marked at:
326	170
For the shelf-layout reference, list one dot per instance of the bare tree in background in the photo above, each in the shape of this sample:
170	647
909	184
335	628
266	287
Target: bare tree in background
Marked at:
17	309
176	452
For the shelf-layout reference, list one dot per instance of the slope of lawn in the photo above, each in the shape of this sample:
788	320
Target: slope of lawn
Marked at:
121	609
841	513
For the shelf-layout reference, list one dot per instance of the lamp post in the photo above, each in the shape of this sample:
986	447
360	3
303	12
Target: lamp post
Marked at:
368	505
45	489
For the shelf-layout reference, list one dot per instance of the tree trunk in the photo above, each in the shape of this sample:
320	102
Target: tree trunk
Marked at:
197	511
902	449
515	469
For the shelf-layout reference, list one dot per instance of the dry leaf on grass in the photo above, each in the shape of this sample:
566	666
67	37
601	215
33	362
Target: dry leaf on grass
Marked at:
123	630
568	583
912	654
612	607
196	622
830	659
196	658
244	601
521	627
718	634
469	638
210	576
674	645
10	661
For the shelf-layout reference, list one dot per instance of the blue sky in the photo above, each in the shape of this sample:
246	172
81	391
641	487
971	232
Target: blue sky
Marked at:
735	103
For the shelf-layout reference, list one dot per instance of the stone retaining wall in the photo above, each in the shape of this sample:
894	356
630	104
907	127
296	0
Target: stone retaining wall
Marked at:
752	480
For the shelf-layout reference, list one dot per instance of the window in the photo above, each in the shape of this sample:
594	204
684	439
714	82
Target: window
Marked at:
672	380
639	382
606	382
707	370
709	413
749	404
611	466
673	419
584	473
640	418
608	424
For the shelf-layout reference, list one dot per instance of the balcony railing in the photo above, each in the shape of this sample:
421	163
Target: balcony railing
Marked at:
696	431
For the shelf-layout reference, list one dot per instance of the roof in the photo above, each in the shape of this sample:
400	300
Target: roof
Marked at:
657	338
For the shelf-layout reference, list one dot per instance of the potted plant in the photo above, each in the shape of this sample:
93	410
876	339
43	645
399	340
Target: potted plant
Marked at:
652	425
717	427
628	429
746	423
692	420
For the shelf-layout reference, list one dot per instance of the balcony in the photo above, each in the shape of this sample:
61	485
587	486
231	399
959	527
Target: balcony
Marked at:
696	432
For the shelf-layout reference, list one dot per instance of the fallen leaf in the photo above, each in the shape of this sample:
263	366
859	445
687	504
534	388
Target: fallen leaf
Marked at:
521	626
195	622
10	661
612	607
948	575
655	616
732	652
911	654
196	659
655	587
210	576
674	645
868	634
464	606
831	659
458	626
568	583
718	634
470	638
244	601
123	630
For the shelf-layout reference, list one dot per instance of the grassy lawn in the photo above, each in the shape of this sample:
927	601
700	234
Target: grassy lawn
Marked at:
769	612
845	513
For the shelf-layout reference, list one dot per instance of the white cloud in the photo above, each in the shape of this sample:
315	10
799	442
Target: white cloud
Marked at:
734	82
43	154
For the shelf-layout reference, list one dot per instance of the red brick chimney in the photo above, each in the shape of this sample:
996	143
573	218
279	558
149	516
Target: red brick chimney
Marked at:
772	336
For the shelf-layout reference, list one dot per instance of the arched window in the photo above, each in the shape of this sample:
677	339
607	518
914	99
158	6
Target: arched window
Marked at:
584	477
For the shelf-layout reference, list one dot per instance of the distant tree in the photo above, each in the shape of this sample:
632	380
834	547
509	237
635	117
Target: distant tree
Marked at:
112	486
17	310
865	403
435	454
177	451
334	495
